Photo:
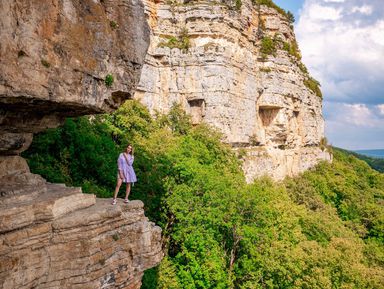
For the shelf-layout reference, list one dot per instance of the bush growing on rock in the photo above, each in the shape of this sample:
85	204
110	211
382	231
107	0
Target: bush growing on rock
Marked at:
109	80
313	85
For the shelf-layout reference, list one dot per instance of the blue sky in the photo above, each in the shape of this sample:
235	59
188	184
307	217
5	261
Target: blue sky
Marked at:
291	5
342	42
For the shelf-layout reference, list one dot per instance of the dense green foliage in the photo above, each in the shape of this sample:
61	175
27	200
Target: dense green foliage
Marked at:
323	229
375	163
353	189
75	154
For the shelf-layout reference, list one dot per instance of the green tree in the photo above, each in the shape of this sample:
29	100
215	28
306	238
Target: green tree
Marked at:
291	17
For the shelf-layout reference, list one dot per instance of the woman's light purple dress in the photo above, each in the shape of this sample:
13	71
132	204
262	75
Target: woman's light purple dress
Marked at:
125	165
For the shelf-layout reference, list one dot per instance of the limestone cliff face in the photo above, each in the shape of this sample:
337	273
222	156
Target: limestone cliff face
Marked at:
54	59
210	58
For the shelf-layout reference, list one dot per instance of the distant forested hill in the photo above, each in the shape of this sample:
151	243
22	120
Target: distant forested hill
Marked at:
375	163
322	229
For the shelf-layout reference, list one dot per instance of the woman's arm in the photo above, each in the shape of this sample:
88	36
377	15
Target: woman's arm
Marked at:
120	161
131	159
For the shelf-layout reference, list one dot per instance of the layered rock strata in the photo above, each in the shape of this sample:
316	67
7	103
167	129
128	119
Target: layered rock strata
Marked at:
55	57
53	236
65	58
209	57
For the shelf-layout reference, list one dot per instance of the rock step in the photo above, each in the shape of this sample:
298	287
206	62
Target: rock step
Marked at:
42	205
101	246
101	210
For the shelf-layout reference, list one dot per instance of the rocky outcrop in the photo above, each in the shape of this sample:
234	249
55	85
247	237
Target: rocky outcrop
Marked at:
67	58
53	236
240	71
55	57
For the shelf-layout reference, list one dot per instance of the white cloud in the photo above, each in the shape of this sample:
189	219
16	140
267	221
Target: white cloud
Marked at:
320	12
354	126
377	33
380	107
342	44
357	114
343	51
365	9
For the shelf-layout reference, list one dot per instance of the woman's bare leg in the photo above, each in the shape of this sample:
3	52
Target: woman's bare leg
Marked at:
118	184
127	191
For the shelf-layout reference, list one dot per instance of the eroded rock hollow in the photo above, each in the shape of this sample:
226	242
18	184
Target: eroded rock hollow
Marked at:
65	58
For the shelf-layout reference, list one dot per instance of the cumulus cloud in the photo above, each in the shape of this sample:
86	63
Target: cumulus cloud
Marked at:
365	9
380	107
343	50
357	114
319	12
342	43
354	126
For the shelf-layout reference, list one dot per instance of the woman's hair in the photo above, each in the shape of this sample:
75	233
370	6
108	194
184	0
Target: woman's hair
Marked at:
129	145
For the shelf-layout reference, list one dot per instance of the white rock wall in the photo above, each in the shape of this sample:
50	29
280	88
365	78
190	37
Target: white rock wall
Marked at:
260	104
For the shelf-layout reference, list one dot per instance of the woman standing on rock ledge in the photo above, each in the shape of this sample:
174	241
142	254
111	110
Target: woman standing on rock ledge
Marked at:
125	173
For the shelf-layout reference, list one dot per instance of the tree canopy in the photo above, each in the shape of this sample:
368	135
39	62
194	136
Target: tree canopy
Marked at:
322	229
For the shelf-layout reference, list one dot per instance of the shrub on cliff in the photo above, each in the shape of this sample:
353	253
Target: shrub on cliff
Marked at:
268	47
182	41
313	85
270	4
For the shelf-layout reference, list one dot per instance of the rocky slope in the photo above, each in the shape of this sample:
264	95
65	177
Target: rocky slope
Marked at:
55	57
240	71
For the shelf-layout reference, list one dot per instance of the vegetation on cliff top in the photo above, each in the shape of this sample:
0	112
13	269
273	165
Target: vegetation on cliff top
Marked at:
271	4
269	46
375	163
313	85
323	229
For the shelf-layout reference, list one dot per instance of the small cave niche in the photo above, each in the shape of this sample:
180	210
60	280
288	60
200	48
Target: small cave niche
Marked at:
254	140
118	98
268	113
282	147
296	113
197	110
